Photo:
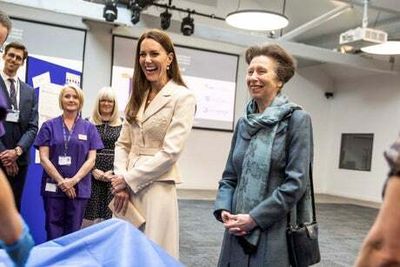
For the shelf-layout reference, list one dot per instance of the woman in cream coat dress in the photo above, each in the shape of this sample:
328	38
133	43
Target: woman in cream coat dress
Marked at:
159	117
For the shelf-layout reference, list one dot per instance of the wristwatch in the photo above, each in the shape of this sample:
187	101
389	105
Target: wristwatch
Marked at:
18	150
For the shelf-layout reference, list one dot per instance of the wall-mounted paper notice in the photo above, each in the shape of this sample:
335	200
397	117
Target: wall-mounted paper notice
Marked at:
41	80
48	100
72	78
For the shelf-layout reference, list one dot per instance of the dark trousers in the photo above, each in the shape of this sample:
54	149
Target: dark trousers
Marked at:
63	215
17	184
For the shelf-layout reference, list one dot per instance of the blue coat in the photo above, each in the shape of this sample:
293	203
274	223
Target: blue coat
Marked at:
291	158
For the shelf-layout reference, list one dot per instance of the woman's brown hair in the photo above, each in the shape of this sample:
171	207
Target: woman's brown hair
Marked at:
140	84
285	63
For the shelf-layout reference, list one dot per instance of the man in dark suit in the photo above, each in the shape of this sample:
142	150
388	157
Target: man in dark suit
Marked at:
21	124
14	232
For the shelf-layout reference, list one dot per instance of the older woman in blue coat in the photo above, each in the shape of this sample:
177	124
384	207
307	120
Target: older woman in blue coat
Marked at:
267	171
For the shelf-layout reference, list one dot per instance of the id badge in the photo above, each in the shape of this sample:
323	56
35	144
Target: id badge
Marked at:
12	116
64	160
82	137
50	187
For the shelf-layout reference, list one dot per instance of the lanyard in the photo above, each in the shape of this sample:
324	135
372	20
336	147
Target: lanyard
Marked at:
67	134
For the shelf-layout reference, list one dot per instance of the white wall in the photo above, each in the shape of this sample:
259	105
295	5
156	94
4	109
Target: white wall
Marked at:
307	89
365	105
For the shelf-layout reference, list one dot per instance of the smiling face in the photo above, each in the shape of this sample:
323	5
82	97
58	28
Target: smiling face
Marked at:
13	59
106	107
70	100
261	78
154	61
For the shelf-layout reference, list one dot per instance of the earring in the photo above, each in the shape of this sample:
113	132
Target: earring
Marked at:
167	67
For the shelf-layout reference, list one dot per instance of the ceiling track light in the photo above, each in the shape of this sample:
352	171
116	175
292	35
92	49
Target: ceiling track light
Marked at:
135	12
144	3
165	19
187	26
110	11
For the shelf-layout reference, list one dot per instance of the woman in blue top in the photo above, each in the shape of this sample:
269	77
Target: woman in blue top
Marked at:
67	147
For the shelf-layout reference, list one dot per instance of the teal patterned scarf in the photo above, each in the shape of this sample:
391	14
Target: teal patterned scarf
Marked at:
252	186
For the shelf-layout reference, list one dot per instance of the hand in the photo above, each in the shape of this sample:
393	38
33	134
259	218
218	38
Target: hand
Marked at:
98	174
225	216
8	156
240	224
121	200
67	184
19	251
12	169
108	175
118	184
71	193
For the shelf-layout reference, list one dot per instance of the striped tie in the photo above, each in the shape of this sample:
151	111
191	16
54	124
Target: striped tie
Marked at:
13	94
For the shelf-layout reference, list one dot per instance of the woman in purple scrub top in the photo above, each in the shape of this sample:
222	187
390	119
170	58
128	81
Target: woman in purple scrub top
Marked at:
67	147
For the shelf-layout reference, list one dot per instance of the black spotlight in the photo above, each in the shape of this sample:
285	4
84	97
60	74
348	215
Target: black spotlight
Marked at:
135	13
187	26
165	19
110	12
144	3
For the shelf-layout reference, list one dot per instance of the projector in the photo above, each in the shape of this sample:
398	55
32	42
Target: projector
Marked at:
361	37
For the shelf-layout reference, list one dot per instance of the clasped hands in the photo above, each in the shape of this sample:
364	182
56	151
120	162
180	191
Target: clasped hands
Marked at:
121	194
239	224
9	160
67	186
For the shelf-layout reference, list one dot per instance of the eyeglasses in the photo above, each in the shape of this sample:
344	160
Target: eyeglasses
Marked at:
106	101
12	55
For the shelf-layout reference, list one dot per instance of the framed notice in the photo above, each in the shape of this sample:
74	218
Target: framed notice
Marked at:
356	151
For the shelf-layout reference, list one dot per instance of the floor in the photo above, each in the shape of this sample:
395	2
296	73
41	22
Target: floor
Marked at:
343	225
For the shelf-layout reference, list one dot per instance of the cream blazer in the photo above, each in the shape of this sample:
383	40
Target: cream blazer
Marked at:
147	150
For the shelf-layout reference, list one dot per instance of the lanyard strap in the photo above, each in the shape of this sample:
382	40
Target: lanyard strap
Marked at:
67	134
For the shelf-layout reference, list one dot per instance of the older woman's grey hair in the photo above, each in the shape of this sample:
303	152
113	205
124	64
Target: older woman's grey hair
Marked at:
286	64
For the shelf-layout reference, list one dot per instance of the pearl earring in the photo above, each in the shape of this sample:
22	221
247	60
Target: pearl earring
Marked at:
167	67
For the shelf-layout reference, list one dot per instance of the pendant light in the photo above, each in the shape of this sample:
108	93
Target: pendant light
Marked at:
386	48
256	19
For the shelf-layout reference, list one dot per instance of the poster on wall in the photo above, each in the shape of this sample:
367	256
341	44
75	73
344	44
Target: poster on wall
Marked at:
211	75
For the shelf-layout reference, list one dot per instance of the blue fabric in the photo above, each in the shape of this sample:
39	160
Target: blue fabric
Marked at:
261	127
111	243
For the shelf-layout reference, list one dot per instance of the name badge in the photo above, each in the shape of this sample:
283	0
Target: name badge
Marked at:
50	187
64	160
82	137
12	116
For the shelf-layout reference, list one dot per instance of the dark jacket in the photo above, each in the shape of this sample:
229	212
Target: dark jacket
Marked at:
24	131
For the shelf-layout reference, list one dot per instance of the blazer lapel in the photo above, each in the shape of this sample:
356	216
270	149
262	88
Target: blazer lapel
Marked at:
21	95
162	98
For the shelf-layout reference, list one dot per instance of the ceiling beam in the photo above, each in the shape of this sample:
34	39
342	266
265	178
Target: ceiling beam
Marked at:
208	31
370	5
315	22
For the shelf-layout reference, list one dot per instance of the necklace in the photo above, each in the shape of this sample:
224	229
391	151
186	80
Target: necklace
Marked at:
151	96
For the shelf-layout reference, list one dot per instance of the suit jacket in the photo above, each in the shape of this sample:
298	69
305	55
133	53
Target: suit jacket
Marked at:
148	149
24	131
